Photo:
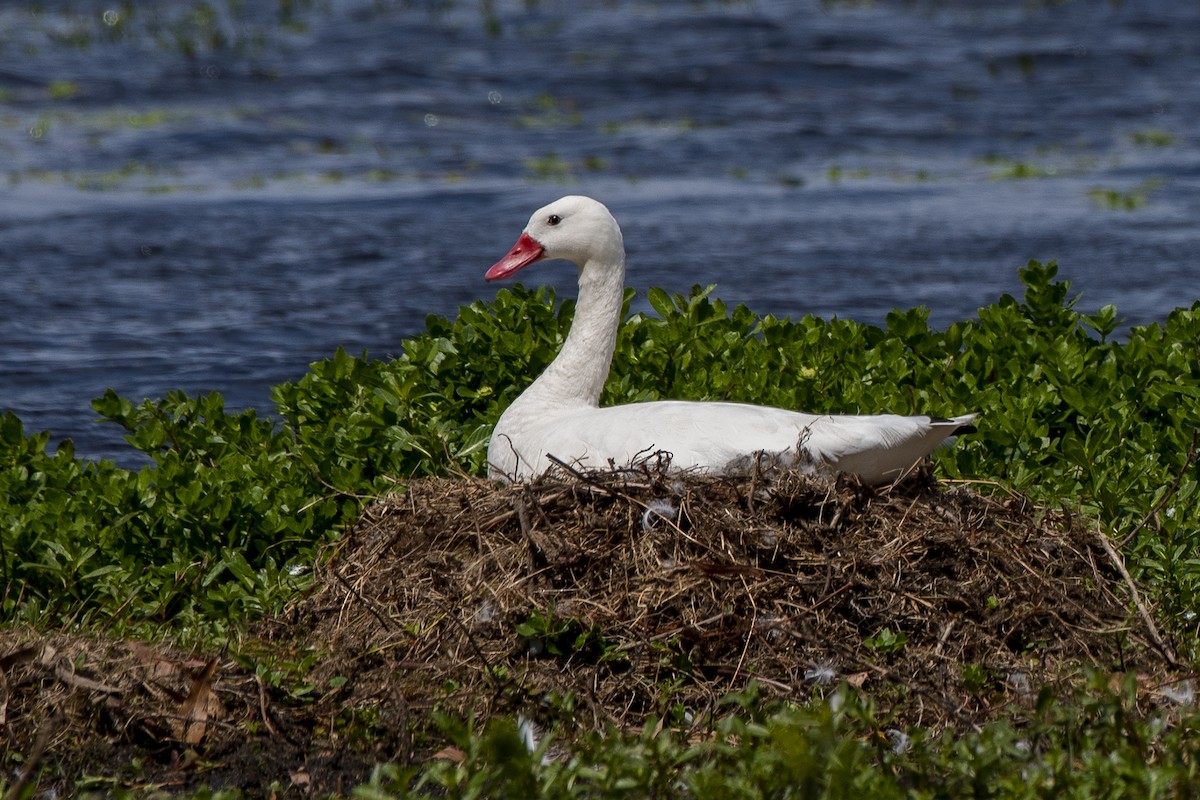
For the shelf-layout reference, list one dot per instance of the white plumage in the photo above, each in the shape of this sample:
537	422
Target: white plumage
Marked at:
559	413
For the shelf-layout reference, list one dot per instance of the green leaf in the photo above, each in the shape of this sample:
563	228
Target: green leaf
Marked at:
660	301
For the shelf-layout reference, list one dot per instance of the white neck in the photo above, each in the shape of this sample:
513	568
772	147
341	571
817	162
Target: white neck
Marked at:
576	377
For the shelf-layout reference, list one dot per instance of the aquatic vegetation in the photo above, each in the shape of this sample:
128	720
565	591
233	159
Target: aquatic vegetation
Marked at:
549	167
1152	137
1011	169
1117	200
836	174
62	90
1051	161
151	118
190	29
95	180
95	126
550	112
381	175
922	175
614	127
112	179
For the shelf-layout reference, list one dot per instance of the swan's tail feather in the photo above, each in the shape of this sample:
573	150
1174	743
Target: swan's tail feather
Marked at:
961	424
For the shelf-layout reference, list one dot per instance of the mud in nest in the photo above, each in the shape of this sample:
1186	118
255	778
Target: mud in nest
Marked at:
583	601
634	594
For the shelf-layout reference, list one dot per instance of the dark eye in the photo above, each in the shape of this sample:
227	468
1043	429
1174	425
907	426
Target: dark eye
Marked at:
553	219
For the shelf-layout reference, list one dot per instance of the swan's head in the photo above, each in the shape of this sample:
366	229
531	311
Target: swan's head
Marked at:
578	229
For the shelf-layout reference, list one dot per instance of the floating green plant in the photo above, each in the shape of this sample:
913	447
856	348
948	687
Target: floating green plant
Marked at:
1007	169
1152	137
614	127
1131	200
107	180
836	173
550	166
152	118
550	113
62	90
381	175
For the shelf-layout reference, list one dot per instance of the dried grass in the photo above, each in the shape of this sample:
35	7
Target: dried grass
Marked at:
705	584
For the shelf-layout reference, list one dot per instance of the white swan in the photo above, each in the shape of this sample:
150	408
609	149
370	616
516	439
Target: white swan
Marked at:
559	413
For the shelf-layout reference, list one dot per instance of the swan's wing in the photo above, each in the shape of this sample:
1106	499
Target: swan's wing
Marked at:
882	447
714	436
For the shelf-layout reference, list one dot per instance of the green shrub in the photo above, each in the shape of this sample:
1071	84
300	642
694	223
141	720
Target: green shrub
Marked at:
1092	744
220	528
226	521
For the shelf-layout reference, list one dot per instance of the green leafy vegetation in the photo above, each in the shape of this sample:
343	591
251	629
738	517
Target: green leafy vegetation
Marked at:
219	528
558	637
1099	745
224	523
888	641
226	519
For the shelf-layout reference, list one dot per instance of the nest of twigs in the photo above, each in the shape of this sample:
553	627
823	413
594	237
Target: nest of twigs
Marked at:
588	600
611	587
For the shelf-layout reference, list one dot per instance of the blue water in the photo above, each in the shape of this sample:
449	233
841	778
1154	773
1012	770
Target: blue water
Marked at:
215	215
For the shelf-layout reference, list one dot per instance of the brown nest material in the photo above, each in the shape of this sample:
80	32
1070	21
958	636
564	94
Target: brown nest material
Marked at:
633	592
592	600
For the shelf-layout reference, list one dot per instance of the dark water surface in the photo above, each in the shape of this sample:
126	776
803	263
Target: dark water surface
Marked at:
212	203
